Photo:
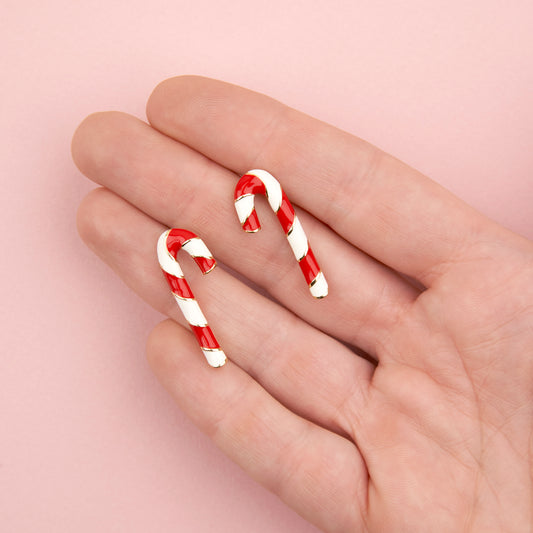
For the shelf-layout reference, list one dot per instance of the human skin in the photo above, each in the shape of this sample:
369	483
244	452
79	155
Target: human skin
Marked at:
426	424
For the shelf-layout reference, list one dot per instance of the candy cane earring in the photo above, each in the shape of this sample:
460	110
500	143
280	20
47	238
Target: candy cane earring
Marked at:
168	246
261	182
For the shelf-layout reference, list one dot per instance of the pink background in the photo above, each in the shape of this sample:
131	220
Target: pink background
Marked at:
89	441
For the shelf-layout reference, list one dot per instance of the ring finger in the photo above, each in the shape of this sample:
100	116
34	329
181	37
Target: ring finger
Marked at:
306	370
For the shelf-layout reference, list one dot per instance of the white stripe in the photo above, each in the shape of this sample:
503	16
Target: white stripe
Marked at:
167	262
215	358
297	239
319	288
273	188
191	311
197	248
244	207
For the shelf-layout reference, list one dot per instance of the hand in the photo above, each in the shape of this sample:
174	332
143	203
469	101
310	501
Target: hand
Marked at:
432	429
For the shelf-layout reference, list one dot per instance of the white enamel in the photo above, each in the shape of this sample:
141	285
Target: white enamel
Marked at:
167	262
297	239
191	311
197	248
273	188
215	358
244	207
319	289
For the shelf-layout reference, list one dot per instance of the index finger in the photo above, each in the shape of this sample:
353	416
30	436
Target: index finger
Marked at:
373	200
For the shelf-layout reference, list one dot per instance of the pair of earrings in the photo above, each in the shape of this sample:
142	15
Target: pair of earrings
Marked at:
173	240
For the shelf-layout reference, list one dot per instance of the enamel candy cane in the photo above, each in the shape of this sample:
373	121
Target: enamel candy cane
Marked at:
168	246
261	182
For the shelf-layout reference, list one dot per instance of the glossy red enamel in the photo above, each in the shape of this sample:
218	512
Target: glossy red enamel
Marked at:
309	266
176	238
249	184
205	337
205	263
251	224
285	214
179	286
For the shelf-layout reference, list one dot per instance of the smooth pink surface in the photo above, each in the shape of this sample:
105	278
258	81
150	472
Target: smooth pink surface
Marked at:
89	441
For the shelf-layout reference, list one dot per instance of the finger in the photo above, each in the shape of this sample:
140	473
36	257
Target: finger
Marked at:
177	186
304	369
317	473
373	200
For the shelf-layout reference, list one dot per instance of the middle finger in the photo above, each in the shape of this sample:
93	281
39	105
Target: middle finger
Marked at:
178	186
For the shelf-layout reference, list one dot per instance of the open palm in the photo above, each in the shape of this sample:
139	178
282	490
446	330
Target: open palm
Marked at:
401	402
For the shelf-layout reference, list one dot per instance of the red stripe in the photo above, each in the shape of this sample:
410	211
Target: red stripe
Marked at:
179	286
176	238
286	213
249	184
309	266
205	263
205	337
251	224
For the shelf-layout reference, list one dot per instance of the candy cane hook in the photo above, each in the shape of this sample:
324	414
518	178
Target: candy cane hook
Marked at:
261	182
168	246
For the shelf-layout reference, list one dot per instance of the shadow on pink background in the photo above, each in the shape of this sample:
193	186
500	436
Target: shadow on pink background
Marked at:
90	442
